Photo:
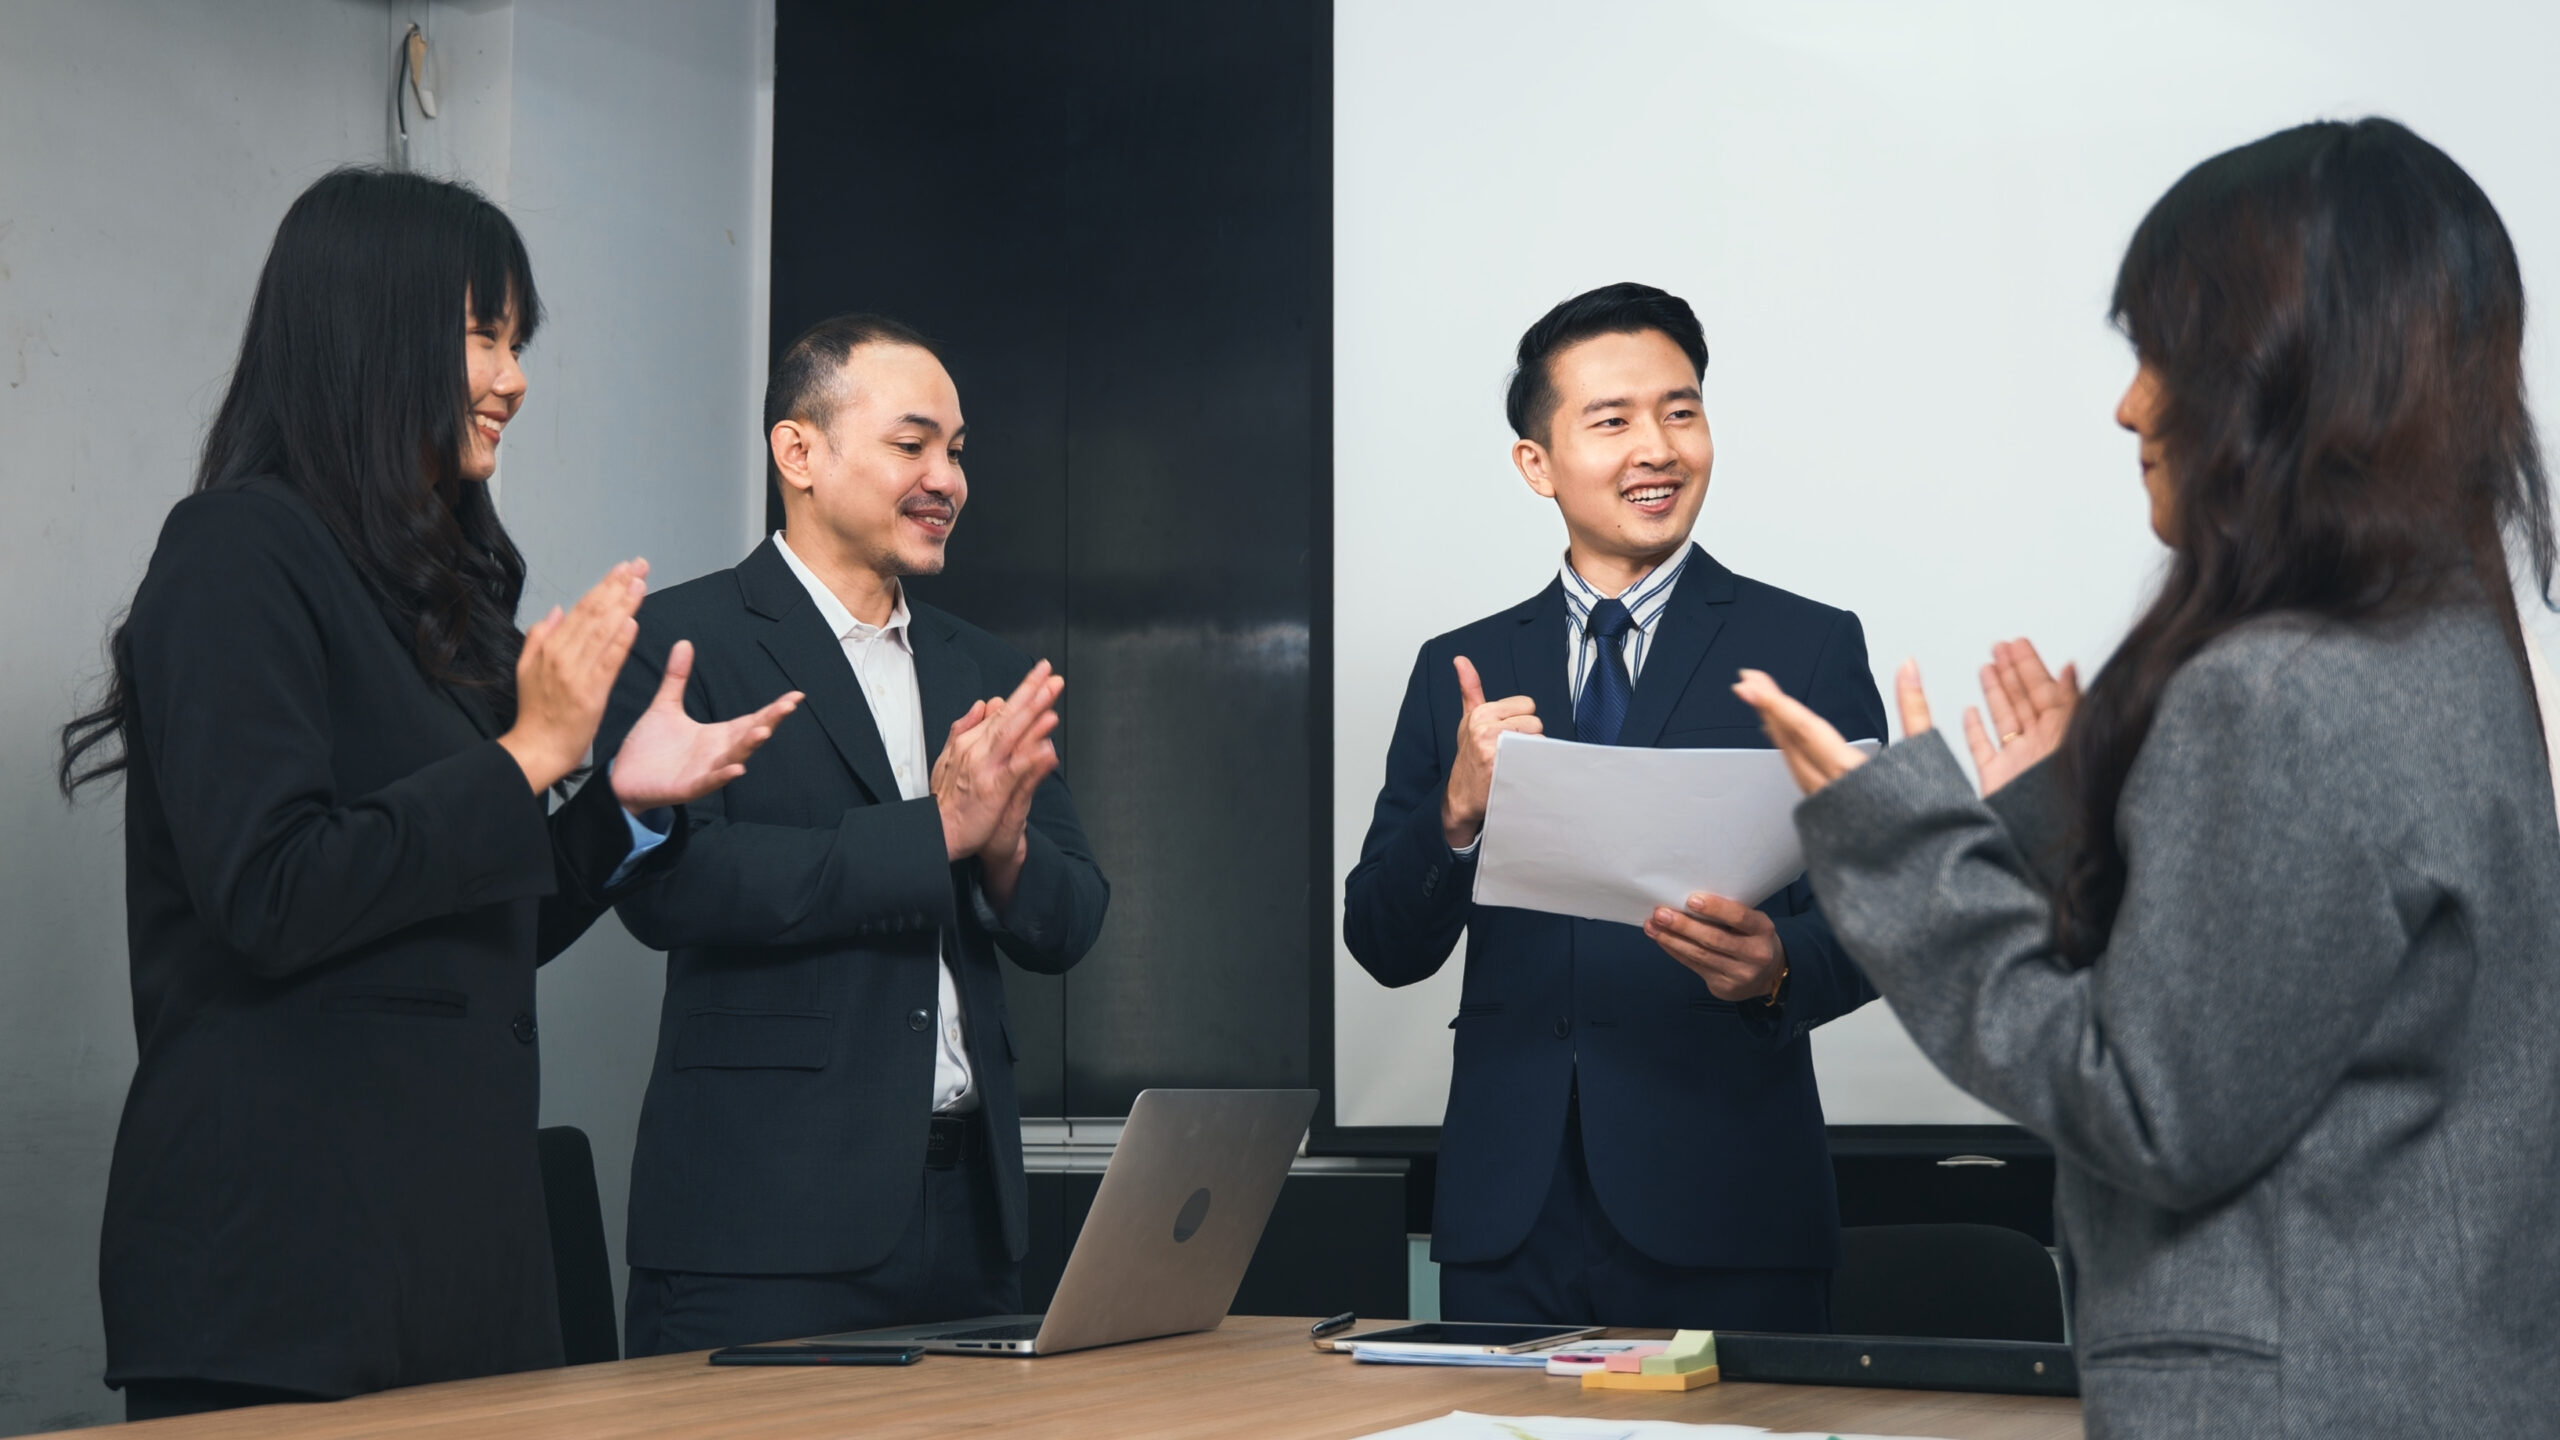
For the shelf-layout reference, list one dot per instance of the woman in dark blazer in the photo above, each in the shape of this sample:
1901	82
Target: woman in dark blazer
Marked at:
341	868
2270	948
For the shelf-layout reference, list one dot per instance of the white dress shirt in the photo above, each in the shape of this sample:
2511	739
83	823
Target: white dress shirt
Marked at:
884	660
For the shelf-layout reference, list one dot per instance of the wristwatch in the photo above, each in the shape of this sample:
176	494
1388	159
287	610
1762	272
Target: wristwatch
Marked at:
1771	999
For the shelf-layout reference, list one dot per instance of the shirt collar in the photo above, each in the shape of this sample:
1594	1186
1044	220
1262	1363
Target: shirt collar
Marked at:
840	621
1645	600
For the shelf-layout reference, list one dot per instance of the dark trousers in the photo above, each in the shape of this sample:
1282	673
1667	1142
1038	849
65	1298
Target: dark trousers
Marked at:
161	1399
1576	1269
951	1264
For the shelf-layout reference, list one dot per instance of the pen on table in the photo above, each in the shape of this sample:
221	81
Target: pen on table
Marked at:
1322	1328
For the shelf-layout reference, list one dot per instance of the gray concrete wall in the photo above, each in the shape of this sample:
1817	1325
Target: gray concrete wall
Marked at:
633	185
146	152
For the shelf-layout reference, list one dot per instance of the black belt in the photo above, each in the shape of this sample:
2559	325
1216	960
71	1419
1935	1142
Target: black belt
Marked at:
952	1139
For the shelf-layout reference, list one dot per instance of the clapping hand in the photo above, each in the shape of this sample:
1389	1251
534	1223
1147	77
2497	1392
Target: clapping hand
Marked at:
1814	752
565	672
670	758
1010	846
2031	707
991	764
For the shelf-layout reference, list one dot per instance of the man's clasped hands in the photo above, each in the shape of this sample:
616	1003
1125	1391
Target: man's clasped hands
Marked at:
990	767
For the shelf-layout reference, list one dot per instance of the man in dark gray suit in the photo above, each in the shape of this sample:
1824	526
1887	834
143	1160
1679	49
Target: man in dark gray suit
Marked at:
831	1139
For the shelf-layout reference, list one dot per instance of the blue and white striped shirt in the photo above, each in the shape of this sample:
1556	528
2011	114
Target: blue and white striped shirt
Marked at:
1645	601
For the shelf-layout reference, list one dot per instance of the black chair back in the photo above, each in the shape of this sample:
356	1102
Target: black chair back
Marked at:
1947	1282
588	1331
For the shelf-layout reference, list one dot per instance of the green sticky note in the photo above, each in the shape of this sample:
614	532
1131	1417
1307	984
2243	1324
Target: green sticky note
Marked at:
1691	1350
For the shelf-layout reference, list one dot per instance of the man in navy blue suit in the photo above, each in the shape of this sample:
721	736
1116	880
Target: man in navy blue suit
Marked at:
1633	1135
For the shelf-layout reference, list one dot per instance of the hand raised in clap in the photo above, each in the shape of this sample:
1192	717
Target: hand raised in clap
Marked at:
1814	751
670	758
565	672
1481	726
2031	707
1009	845
993	758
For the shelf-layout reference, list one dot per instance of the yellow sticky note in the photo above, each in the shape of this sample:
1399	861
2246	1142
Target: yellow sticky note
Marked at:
1690	1350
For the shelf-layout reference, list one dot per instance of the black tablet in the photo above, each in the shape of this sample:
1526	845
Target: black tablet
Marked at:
818	1352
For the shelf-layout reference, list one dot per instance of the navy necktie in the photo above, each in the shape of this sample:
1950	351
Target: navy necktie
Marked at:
1602	711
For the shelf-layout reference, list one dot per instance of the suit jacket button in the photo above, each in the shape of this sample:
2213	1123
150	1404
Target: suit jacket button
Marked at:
1564	1026
919	1021
523	1029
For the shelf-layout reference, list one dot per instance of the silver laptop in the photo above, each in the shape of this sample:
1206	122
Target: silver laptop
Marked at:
1181	1208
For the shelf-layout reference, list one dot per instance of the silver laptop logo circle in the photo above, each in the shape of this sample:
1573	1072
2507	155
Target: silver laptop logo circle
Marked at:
1194	1210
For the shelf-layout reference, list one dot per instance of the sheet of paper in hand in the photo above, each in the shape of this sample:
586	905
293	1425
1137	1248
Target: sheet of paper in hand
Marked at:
1608	832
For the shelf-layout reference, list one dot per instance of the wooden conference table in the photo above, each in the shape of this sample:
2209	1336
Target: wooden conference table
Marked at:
1253	1376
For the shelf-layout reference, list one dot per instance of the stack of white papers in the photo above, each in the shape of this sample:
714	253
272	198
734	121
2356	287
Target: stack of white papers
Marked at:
1608	832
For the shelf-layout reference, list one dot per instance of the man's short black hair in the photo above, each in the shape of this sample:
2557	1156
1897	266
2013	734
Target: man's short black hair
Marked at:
806	383
1625	308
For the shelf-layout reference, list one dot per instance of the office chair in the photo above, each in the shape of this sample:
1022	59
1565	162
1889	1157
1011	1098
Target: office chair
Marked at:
588	1330
1947	1282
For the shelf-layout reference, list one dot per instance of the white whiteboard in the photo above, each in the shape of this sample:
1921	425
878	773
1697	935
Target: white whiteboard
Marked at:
1899	224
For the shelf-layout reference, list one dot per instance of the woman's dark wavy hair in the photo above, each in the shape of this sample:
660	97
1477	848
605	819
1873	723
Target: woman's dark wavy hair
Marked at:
351	388
2337	320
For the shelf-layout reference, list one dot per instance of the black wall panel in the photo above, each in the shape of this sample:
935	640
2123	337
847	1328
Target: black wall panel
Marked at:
1113	219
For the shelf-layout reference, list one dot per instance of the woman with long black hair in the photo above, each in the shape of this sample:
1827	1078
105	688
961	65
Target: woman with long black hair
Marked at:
341	869
2269	947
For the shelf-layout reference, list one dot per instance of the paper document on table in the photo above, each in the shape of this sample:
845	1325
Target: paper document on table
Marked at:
1466	1425
1608	832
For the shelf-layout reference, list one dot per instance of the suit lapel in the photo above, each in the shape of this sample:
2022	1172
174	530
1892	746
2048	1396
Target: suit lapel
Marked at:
1538	661
1690	621
947	680
798	641
470	700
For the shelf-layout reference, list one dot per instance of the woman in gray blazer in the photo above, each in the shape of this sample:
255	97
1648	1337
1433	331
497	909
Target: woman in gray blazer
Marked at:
2269	947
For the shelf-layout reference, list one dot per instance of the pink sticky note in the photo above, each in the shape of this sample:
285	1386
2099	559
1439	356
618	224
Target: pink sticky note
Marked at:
1631	1362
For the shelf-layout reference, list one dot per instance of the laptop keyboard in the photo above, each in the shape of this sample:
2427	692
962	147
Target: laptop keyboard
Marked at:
1017	1331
